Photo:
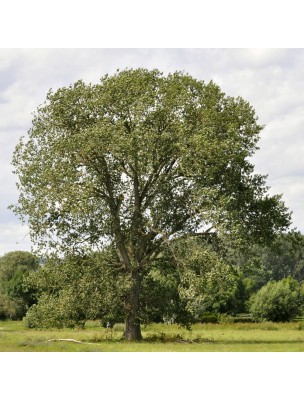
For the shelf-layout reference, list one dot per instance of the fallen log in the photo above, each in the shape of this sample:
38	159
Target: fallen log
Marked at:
66	340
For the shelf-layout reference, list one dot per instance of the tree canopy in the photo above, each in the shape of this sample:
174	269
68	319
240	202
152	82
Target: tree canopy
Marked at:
141	160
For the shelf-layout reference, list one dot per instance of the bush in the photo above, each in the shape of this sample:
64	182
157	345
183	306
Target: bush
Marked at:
226	318
208	317
55	311
73	290
243	318
11	309
46	314
277	301
15	298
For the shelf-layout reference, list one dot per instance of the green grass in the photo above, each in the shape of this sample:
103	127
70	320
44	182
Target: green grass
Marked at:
237	337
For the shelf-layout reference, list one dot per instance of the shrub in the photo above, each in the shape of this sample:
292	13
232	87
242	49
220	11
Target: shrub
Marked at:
46	314
243	318
15	298
226	318
11	309
209	317
73	290
58	312
277	301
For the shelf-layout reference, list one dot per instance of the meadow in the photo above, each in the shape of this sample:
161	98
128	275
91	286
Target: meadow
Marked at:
225	337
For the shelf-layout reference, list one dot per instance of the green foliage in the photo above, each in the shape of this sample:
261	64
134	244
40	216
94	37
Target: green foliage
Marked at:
261	263
181	146
200	284
206	282
285	257
245	287
243	318
160	298
15	297
76	289
11	309
277	301
73	290
209	318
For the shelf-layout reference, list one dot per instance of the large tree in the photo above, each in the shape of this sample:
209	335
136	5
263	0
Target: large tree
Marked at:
142	159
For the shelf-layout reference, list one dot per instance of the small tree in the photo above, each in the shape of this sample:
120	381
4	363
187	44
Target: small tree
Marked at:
206	282
14	269
159	299
277	301
140	160
73	290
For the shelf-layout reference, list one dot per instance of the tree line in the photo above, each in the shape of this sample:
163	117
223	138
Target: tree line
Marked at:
212	283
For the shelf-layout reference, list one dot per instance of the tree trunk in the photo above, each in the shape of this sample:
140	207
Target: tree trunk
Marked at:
132	328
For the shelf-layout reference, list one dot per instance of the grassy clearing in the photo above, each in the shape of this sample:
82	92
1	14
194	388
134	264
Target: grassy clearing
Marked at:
237	337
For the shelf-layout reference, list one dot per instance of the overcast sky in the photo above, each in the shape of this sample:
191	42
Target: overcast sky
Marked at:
272	80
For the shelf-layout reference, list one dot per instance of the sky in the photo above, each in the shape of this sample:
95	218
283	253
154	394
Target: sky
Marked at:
272	80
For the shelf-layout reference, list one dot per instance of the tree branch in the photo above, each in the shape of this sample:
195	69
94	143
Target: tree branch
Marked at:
153	178
114	209
196	234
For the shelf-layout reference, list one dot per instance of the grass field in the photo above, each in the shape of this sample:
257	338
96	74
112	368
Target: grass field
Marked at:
237	337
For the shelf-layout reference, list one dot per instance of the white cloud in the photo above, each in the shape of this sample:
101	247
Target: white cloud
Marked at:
14	237
292	189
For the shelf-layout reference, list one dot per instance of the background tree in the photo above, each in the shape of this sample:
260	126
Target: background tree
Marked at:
159	297
206	282
15	298
142	159
75	289
285	257
260	263
187	281
277	301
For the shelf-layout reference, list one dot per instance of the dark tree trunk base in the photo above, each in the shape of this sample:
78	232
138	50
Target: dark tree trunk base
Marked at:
132	333
132	328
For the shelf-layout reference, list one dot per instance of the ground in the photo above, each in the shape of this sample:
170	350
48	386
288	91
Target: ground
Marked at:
237	337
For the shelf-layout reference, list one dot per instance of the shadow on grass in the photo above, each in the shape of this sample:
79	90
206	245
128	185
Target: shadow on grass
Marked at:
174	338
251	341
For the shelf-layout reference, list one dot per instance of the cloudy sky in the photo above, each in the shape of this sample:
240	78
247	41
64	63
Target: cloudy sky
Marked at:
272	80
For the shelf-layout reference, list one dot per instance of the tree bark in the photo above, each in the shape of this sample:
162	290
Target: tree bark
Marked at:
132	328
